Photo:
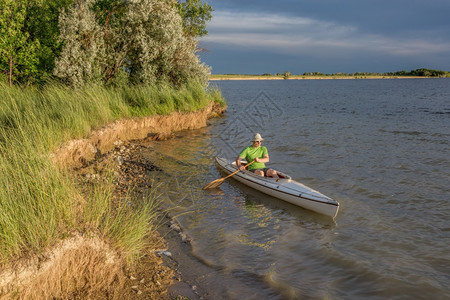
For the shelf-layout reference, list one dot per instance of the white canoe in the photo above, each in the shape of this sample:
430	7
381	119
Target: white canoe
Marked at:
284	188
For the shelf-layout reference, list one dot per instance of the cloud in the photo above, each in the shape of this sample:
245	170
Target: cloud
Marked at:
255	21
307	36
264	22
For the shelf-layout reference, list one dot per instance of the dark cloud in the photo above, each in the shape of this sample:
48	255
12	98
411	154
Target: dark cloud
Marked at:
372	14
327	36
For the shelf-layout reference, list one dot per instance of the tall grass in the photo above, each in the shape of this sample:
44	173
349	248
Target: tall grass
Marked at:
35	209
122	222
39	204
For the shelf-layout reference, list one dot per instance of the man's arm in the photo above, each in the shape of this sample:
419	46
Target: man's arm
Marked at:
264	159
238	163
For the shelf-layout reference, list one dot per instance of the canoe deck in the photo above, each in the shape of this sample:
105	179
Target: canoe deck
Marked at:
284	188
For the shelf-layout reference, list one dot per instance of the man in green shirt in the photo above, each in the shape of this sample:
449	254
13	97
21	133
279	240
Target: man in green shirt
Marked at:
259	154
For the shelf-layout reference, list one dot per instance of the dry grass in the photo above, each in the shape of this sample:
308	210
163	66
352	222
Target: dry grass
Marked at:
87	268
78	267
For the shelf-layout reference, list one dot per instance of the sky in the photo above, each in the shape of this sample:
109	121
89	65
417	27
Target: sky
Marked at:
327	36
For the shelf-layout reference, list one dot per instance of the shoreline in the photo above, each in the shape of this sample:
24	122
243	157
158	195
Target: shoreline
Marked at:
193	278
78	152
294	77
104	151
167	269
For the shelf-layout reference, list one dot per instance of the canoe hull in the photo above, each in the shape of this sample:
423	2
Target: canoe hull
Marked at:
285	189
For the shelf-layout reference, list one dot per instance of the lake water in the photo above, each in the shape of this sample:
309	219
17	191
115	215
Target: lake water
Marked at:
379	147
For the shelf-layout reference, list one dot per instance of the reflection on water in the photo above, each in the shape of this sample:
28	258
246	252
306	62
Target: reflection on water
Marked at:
368	144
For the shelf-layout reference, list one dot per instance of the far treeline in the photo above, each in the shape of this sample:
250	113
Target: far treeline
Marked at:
111	42
416	73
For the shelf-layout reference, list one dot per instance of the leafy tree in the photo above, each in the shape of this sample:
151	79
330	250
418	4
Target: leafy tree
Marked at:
141	40
286	75
195	14
83	49
42	25
159	51
18	58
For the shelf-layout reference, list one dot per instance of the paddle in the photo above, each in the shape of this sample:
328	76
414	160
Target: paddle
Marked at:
216	183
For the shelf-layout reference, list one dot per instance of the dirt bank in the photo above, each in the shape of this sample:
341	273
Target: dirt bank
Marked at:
76	153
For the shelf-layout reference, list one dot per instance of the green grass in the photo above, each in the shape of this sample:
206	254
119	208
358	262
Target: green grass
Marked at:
40	204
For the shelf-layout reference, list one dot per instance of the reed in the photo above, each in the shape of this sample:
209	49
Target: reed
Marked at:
41	204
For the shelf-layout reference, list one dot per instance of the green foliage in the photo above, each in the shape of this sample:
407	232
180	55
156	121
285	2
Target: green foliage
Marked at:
313	74
195	14
160	52
143	38
428	73
417	72
29	39
80	60
18	56
162	100
113	41
42	25
215	95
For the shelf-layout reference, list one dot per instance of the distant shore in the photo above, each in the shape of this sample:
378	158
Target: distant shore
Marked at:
305	77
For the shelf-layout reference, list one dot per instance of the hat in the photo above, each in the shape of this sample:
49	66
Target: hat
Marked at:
257	137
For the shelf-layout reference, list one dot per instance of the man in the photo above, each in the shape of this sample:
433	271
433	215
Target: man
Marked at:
259	154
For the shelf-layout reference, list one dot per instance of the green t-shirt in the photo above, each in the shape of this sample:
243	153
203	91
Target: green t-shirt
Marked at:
250	153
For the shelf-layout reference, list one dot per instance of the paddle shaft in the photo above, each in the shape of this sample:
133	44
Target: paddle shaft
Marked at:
238	170
219	181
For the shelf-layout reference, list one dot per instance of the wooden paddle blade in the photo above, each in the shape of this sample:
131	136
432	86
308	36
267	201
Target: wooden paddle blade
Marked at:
214	184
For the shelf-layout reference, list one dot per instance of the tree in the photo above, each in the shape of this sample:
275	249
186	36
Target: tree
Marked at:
159	51
286	75
195	14
143	40
18	59
42	25
83	49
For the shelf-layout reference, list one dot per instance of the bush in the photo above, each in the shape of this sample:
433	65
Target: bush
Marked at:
144	42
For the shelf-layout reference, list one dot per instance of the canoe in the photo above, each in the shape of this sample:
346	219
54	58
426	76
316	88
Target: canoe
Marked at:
284	188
